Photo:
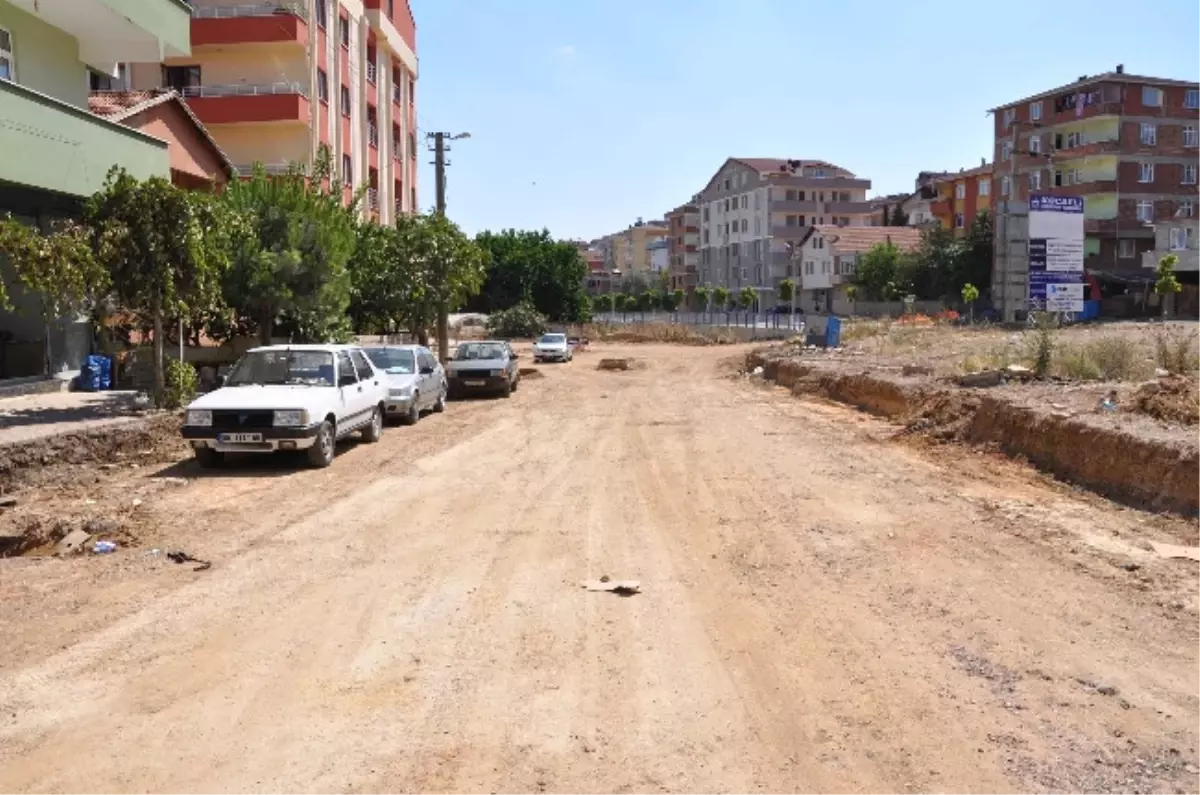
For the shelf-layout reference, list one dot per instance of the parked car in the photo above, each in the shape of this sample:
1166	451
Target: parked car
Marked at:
289	397
552	348
415	379
486	366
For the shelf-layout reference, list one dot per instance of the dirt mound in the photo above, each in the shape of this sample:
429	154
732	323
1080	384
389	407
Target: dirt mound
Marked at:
1175	399
945	416
531	372
615	364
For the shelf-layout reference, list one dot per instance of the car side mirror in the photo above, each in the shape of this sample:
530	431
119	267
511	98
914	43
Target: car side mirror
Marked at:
348	379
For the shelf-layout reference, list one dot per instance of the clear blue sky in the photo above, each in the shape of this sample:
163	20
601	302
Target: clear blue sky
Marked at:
586	114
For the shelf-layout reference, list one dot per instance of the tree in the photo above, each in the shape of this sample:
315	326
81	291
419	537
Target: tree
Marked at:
975	265
1166	285
720	297
383	279
451	267
289	262
58	266
747	297
604	302
970	294
878	271
532	266
677	299
787	291
165	249
703	293
898	217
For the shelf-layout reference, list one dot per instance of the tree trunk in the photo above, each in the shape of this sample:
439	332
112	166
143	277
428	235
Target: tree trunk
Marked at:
159	374
266	327
443	333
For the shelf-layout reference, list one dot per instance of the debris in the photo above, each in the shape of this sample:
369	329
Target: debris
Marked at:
916	369
1106	690
170	482
1175	551
136	503
1109	403
1161	373
757	371
72	543
619	587
613	364
179	556
99	527
1131	566
104	547
8	502
985	378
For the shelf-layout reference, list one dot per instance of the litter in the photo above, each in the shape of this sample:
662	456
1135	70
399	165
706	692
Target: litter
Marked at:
619	587
72	543
104	547
179	556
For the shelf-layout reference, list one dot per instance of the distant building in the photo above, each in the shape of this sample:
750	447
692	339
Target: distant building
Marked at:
826	260
683	223
962	196
658	254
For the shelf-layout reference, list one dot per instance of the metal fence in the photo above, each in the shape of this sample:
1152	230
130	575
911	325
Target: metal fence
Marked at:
204	11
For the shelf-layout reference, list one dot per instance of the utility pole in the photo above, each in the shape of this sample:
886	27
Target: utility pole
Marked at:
439	165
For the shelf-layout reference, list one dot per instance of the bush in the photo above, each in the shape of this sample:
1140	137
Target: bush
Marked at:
521	320
1117	359
181	384
1075	363
1173	352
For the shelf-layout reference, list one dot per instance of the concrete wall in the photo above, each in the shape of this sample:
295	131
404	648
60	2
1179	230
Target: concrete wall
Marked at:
47	59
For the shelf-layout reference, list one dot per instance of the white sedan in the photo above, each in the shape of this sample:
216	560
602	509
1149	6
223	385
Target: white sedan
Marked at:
552	348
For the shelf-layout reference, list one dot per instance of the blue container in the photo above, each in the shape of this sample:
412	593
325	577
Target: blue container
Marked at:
96	374
833	332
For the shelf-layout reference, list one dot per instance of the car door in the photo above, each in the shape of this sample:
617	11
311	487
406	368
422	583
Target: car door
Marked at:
434	380
369	380
511	362
349	393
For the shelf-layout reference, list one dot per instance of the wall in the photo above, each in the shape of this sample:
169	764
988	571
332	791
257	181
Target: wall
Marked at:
47	59
270	143
188	151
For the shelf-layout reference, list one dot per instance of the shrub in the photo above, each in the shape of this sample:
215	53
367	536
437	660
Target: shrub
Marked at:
1075	363
1042	344
1173	352
181	384
521	320
1116	358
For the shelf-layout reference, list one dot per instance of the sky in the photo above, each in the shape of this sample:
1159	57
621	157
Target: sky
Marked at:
585	115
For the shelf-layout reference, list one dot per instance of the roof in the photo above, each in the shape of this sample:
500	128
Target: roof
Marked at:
330	347
860	239
121	105
978	171
767	165
1106	77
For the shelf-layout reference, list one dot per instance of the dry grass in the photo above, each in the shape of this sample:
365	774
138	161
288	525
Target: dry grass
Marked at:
1176	352
661	332
856	330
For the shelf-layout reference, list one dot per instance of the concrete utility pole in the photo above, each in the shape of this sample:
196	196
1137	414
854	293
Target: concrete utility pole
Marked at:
439	164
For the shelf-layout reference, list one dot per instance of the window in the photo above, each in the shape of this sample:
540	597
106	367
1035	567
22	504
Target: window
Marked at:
347	170
98	81
958	221
1035	180
1074	139
745	203
322	86
985	187
735	250
1152	97
345	101
362	366
1006	150
1126	249
1191	98
344	30
790	195
1035	145
7	65
789	220
1186	209
1189	135
706	215
809	270
756	200
1005	186
1010	115
706	237
1178	239
1146	172
181	77
960	190
745	225
801	221
1145	211
345	367
1189	174
1035	111
1149	134
727	205
322	13
391	8
758	226
726	184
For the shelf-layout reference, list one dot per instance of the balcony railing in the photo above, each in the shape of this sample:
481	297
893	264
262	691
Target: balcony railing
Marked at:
203	10
396	93
270	169
397	148
373	199
399	206
372	72
373	136
243	90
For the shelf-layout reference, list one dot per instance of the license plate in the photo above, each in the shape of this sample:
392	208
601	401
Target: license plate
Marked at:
240	438
474	383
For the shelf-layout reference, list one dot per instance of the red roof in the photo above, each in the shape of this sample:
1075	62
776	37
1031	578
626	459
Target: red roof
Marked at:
121	105
860	239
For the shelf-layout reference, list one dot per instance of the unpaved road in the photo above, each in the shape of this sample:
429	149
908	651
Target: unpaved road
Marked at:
823	608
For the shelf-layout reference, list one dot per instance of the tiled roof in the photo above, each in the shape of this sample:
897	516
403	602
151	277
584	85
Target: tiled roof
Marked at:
859	239
765	165
978	171
1107	77
121	105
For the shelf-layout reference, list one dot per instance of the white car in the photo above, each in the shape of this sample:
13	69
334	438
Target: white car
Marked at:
289	397
415	378
552	348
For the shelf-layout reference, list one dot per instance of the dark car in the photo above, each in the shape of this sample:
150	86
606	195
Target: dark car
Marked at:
486	367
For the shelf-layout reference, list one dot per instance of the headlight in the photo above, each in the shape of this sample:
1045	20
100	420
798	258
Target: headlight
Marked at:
199	417
400	392
291	418
497	373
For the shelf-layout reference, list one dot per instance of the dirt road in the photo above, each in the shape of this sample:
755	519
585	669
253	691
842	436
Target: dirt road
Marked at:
823	608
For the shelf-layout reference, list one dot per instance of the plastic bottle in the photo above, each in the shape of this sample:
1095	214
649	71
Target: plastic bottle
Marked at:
104	547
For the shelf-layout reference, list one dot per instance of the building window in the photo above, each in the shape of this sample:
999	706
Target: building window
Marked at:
1189	174
705	215
1126	249
1145	211
345	101
1178	238
347	170
1191	99
344	30
746	224
727	205
726	184
1035	145
1006	150
1005	186
322	86
1035	180
1152	97
745	203
8	67
985	187
391	8
1146	172
181	78
1149	134
958	221
97	81
758	226
1035	111
1010	115
1186	208
322	13
1074	139
1189	135
960	190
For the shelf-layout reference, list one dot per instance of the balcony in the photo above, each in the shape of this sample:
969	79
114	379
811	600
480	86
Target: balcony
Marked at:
396	93
789	232
373	199
818	183
793	206
270	169
942	207
242	103
67	150
372	71
373	136
114	31
253	23
848	208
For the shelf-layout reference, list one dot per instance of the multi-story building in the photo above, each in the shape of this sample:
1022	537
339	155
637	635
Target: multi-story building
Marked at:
683	251
962	196
754	211
1126	143
275	81
826	260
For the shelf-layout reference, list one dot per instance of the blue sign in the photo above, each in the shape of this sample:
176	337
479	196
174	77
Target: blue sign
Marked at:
1041	203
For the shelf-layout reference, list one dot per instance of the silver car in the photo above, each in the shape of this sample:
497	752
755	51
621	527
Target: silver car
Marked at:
553	348
485	366
416	381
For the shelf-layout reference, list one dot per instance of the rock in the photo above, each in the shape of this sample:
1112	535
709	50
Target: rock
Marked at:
982	379
8	502
916	369
99	527
1131	566
1106	690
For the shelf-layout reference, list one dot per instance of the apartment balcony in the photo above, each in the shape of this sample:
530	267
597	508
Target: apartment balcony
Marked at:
942	207
1125	227
251	23
793	206
372	72
243	103
67	150
373	136
789	232
270	169
818	183
373	199
847	208
115	31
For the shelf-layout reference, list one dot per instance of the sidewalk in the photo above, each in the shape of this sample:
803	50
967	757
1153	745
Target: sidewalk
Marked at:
35	416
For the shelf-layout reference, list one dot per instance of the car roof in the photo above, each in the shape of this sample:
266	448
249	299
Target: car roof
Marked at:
386	347
326	348
483	342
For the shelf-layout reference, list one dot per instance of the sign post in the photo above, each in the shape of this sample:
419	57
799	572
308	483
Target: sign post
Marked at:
1055	253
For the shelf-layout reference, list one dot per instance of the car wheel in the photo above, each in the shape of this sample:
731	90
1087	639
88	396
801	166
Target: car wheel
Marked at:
507	389
320	455
414	411
374	429
208	457
440	406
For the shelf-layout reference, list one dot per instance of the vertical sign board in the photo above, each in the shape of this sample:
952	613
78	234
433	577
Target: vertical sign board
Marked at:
1056	253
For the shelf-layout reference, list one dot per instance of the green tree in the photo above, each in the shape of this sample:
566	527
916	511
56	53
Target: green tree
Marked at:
976	255
677	299
383	279
452	268
720	297
1165	284
532	266
878	270
604	302
898	217
787	291
289	262
59	266
165	250
703	294
934	270
747	297
970	294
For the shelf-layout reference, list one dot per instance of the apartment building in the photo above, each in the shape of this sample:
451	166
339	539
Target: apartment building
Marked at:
1126	143
683	249
826	259
754	211
275	81
962	196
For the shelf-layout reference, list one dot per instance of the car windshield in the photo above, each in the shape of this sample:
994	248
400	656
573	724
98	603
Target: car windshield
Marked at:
392	360
270	368
553	339
479	350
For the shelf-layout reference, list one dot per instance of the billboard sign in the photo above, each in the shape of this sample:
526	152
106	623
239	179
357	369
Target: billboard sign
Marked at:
1056	253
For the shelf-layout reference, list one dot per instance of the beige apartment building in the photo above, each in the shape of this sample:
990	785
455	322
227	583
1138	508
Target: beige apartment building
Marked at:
629	251
275	81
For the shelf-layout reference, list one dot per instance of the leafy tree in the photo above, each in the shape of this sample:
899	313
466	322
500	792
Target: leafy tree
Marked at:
1165	284
629	303
970	294
383	279
677	299
977	255
165	249
289	262
878	270
604	302
703	293
787	291
649	300
532	266
720	297
450	268
934	270
522	320
747	296
898	217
